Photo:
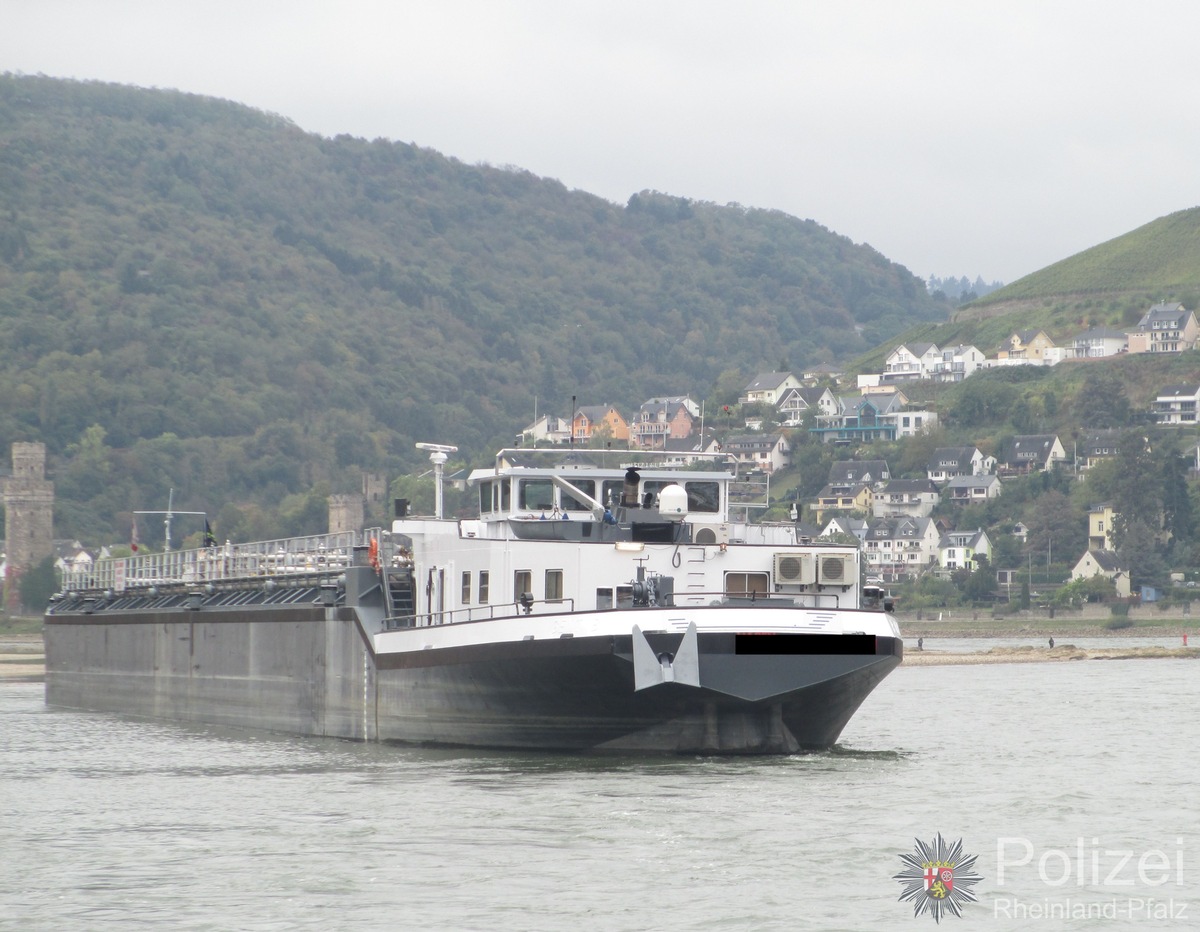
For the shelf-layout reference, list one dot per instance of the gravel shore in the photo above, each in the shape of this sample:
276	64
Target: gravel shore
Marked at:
22	658
1060	652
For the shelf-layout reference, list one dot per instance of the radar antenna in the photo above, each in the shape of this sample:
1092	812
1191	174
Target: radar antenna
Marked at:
438	456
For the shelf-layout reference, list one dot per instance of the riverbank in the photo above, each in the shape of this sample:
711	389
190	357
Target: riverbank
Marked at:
22	658
1058	653
1041	626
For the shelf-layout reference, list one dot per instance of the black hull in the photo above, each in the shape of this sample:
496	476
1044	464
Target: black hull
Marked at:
310	670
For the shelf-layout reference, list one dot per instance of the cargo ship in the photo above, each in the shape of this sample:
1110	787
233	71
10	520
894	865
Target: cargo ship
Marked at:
597	601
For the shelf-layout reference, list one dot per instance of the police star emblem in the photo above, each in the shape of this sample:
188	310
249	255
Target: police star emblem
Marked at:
937	878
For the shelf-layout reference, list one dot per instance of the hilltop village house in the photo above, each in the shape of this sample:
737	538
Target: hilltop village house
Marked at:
1165	328
1176	405
592	420
661	419
892	517
1031	345
768	388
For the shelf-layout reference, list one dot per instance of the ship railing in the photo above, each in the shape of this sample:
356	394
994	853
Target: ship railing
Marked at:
313	555
716	599
480	613
692	598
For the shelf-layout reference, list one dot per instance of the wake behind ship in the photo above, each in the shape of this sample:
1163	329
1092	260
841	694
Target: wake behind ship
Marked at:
600	601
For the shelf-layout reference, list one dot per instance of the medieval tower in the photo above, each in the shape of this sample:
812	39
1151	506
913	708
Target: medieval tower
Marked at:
349	512
345	513
28	517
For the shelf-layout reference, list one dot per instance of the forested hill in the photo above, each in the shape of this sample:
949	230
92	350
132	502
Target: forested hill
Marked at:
199	295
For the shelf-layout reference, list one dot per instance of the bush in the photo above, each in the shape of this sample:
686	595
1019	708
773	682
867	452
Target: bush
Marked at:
1116	624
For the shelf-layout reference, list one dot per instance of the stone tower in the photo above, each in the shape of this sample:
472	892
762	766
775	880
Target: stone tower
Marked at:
28	517
345	513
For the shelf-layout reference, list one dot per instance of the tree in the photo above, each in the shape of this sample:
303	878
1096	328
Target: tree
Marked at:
1139	553
38	584
1102	401
1054	525
1006	551
981	583
982	401
1178	516
1137	488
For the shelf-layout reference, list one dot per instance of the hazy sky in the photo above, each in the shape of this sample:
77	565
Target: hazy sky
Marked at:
957	138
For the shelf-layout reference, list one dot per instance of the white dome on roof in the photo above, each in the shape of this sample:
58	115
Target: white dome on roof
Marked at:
673	501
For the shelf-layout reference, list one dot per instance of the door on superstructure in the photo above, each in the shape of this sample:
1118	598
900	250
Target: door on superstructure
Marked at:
435	595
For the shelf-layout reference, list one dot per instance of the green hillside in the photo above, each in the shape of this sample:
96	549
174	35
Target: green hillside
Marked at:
1110	285
1161	258
199	296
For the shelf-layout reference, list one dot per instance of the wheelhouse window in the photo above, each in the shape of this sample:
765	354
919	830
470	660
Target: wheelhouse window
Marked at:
703	496
483	587
522	583
494	495
466	588
650	490
535	494
570	503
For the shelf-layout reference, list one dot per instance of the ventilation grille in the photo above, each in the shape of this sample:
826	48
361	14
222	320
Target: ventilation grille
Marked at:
836	570
794	568
710	534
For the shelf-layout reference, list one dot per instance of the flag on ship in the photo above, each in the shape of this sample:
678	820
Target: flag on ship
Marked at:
210	539
133	536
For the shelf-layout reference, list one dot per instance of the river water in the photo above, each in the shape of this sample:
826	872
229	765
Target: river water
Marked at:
1047	773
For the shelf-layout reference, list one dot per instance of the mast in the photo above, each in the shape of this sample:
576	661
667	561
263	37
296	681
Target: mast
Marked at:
437	456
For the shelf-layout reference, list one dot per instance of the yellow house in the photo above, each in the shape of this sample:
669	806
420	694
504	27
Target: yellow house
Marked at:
593	419
1026	344
859	497
1100	527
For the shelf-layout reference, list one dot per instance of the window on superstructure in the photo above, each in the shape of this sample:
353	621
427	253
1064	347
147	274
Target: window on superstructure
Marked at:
483	587
604	599
522	583
611	491
466	588
703	496
486	500
554	585
535	494
746	584
570	503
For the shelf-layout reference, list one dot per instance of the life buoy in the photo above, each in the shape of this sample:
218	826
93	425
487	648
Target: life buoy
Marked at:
373	553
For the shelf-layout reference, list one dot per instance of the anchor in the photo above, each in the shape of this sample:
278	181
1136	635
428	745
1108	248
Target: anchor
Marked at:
650	668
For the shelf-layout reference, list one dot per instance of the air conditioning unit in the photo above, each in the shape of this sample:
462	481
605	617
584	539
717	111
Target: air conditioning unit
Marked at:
836	569
710	534
796	569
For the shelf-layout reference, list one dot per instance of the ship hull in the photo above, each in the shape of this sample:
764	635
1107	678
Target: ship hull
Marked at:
312	670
